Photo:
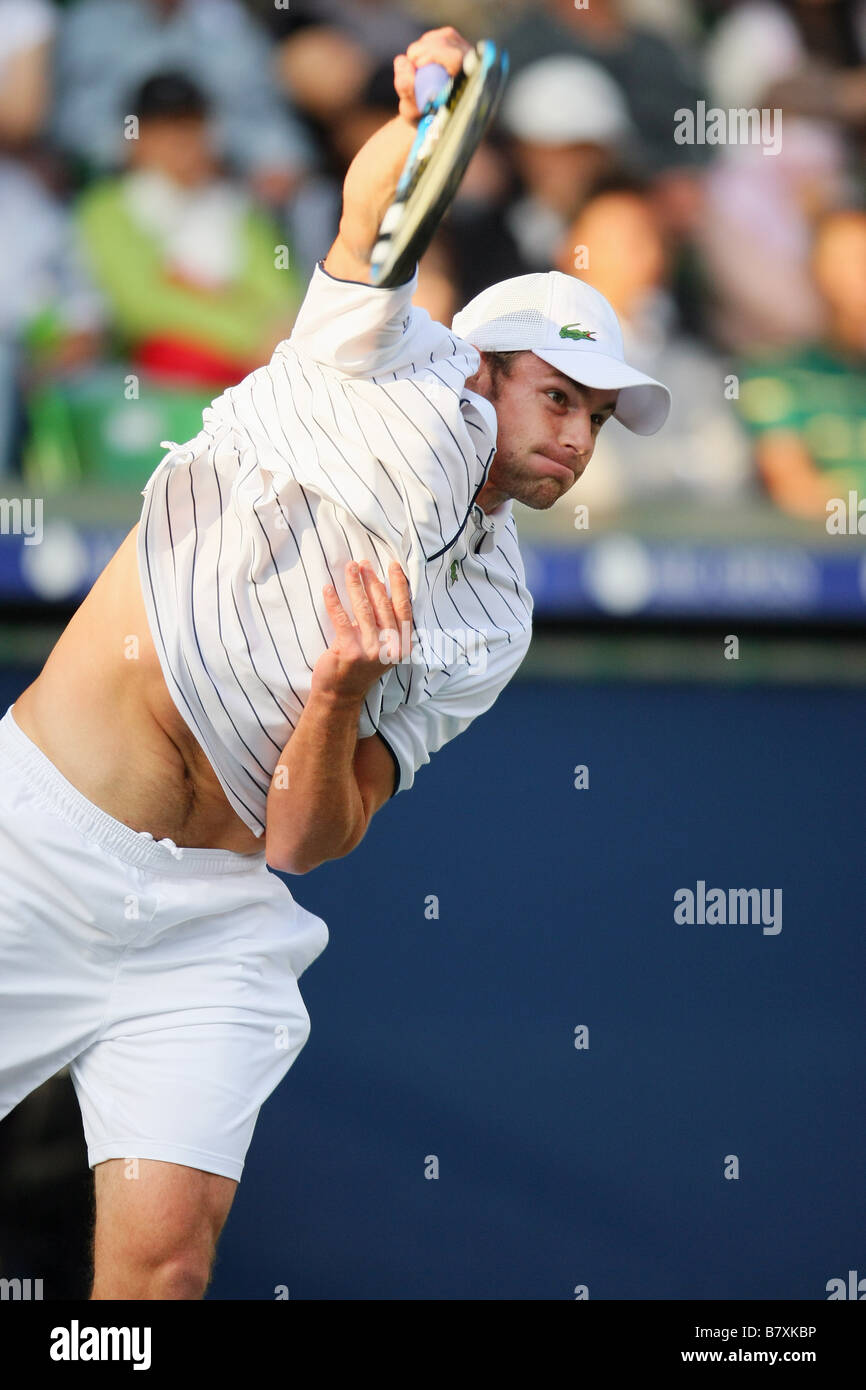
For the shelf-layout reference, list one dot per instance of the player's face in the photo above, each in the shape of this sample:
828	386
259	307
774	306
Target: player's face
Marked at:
548	425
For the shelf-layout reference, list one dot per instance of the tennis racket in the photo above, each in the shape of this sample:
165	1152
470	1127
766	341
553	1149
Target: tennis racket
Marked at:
455	113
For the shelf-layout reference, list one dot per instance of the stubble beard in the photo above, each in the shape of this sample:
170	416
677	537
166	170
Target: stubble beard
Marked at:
529	487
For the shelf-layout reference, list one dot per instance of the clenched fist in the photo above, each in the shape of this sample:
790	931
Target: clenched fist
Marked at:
443	46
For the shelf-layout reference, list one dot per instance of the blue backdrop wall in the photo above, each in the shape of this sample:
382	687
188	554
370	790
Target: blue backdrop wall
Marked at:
601	1166
454	1036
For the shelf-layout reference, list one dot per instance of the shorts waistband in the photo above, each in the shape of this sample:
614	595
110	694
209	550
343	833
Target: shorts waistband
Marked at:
136	847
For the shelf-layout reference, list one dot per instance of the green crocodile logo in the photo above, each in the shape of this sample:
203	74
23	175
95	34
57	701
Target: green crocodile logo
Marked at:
453	579
574	330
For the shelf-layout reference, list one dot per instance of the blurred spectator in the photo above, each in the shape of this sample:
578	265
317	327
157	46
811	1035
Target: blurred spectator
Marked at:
656	77
761	209
678	20
476	19
757	231
330	59
480	247
317	50
314	214
702	453
569	123
50	315
437	280
485	248
26	27
107	47
187	261
808	56
378	27
807	408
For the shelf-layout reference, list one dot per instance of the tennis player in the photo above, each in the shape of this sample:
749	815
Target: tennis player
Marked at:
324	588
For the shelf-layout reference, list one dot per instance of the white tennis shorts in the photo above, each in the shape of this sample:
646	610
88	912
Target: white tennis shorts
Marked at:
165	978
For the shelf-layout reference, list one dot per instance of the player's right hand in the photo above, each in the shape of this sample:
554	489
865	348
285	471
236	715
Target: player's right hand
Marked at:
379	637
372	177
443	46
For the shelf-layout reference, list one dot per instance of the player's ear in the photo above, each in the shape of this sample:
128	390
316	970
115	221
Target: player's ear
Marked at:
482	381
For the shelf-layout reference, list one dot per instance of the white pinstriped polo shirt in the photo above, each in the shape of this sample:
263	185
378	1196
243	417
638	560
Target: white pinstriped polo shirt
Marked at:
357	440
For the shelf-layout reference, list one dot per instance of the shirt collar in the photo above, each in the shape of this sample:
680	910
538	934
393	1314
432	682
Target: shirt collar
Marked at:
495	521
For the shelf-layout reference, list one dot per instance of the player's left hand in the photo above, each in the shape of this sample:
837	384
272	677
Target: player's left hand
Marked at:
443	46
380	636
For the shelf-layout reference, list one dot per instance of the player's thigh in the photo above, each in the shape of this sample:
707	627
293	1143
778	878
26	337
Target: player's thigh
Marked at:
149	1213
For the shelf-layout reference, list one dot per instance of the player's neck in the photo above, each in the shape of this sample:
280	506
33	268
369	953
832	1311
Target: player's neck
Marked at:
490	498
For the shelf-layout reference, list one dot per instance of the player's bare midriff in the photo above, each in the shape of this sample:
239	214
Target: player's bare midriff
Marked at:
101	711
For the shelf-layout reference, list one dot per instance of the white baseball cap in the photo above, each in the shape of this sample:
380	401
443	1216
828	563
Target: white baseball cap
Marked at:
565	100
572	327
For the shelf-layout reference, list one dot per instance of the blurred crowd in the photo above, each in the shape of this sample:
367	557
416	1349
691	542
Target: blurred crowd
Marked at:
170	173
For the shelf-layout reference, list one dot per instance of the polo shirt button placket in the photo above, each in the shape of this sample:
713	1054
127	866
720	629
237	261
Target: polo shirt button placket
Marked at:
484	527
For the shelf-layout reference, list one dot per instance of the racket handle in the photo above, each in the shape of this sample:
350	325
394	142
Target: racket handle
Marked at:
429	81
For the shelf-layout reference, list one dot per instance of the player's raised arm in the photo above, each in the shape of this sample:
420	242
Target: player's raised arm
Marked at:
375	171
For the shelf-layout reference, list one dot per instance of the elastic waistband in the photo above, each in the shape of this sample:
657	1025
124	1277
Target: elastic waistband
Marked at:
136	847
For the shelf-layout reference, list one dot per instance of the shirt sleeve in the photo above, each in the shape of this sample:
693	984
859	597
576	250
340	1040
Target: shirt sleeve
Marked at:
413	733
362	330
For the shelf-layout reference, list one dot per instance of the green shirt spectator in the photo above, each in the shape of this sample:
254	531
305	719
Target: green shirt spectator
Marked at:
149	296
818	394
199	281
807	409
